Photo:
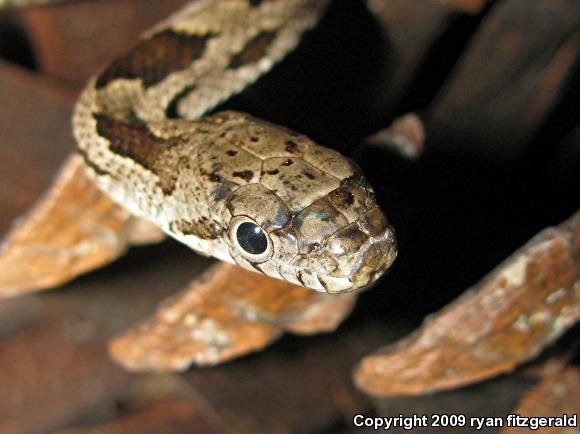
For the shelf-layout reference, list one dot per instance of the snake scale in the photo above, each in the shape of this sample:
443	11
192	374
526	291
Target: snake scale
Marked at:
226	184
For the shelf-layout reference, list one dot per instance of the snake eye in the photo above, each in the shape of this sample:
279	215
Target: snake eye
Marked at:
251	238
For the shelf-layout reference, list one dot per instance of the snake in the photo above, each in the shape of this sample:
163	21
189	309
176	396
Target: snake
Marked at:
226	184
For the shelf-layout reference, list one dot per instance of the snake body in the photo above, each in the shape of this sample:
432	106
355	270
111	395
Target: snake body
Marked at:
226	184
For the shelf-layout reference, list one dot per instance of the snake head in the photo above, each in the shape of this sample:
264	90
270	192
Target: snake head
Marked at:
310	217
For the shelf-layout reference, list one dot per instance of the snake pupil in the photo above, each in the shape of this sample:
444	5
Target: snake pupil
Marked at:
251	238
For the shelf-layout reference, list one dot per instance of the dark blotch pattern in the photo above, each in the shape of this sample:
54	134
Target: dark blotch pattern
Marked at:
246	175
130	139
254	50
155	58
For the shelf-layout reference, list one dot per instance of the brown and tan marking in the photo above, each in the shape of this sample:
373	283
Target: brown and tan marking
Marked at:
200	178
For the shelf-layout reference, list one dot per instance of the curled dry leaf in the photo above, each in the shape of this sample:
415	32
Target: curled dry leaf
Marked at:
405	136
508	318
556	395
73	229
226	313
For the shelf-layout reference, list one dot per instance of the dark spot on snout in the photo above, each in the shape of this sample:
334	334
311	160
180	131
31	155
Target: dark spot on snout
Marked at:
273	172
231	153
354	234
291	147
343	197
351	180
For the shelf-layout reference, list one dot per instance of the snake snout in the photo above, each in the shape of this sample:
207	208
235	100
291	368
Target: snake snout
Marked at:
356	255
376	256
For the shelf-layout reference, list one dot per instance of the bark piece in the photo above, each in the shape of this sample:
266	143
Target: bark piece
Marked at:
73	229
556	395
224	314
508	318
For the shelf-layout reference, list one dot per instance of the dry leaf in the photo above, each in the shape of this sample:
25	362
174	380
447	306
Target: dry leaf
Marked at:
405	136
226	313
73	229
508	318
